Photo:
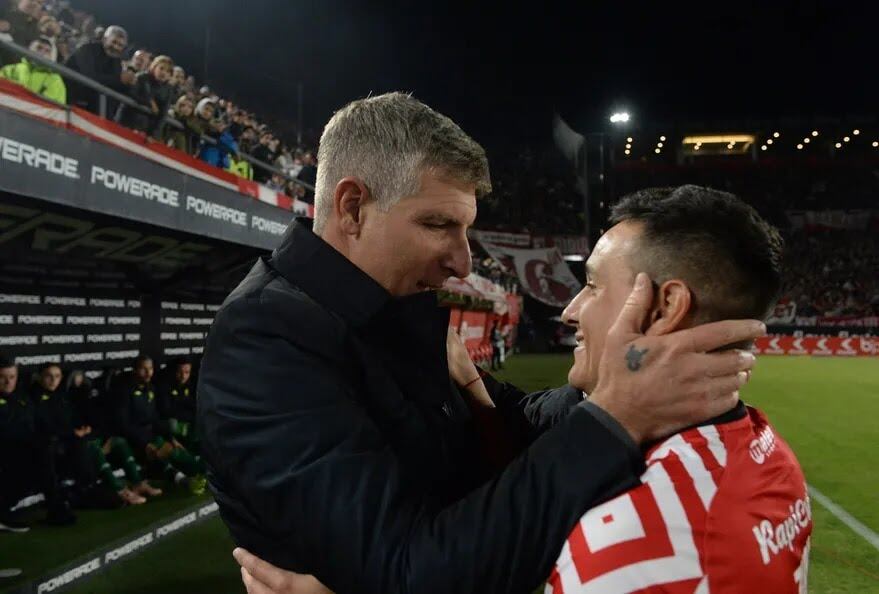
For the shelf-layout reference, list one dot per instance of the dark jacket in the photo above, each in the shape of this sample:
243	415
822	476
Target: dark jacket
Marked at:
92	61
53	413
90	408
338	446
16	418
146	89
135	414
177	401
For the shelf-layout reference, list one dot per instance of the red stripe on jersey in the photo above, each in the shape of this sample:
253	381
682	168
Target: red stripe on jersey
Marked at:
685	489
653	545
699	444
555	580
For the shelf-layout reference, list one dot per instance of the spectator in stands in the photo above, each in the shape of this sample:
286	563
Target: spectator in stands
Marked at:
219	152
177	405
178	79
276	183
19	24
152	91
308	175
101	62
263	153
50	29
187	139
35	77
141	61
107	451
136	418
27	464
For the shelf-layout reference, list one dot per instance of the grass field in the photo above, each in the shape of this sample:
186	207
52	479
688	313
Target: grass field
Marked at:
827	409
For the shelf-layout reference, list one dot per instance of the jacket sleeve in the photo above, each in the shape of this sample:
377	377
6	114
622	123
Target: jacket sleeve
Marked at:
56	90
529	415
298	455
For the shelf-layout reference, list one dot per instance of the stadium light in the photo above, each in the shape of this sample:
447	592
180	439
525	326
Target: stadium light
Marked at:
769	141
629	139
657	151
799	147
628	151
846	139
628	145
662	138
697	147
807	140
620	117
763	148
875	143
659	144
814	132
838	145
856	131
775	135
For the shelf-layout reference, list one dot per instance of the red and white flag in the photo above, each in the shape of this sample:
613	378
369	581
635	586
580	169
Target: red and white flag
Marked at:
543	273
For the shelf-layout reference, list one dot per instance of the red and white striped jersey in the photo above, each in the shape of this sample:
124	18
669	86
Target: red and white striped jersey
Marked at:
721	508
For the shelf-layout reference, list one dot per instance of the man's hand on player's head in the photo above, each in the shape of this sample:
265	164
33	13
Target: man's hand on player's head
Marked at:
261	577
656	385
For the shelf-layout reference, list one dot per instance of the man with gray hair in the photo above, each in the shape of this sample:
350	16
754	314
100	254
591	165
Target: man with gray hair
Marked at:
100	61
343	447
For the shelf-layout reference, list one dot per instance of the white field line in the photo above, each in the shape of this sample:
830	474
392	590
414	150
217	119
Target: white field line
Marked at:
846	518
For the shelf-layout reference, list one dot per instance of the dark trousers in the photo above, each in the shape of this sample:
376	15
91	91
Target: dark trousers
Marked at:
28	467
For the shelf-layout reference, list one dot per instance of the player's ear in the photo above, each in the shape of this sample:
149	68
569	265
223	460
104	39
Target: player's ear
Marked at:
348	201
672	304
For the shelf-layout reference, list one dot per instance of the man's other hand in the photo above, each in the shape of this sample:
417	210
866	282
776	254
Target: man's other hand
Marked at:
261	577
656	385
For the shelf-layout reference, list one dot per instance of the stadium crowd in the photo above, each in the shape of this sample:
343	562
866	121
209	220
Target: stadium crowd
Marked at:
831	274
213	129
84	445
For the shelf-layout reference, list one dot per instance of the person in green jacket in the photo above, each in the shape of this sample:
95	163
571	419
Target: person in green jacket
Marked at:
35	77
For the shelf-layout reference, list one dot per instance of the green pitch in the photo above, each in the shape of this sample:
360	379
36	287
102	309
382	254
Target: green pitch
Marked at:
827	409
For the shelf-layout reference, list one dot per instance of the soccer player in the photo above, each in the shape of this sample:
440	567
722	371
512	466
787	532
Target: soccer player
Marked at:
27	462
137	420
177	405
723	506
109	451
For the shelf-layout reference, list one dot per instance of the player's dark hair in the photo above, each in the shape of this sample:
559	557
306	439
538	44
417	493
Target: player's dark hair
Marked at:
142	358
47	365
726	253
6	361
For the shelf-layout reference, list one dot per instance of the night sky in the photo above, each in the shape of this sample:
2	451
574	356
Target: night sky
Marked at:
501	72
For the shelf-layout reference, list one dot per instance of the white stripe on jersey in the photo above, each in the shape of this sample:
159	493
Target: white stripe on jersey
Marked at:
693	464
703	587
715	443
683	565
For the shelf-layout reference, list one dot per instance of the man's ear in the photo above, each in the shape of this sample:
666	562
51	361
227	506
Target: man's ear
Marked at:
348	201
671	308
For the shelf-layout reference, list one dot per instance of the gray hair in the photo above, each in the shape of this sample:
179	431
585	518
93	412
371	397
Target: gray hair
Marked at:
388	141
115	31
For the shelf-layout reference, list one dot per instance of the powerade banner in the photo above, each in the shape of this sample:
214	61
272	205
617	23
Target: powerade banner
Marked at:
68	327
856	346
43	161
542	273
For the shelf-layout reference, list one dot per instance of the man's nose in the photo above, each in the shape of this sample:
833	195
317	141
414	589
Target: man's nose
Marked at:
458	262
571	313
